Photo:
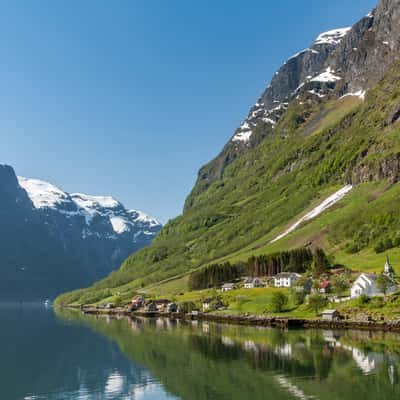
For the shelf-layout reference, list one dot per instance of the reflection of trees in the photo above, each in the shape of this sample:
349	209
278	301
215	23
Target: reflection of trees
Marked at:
240	362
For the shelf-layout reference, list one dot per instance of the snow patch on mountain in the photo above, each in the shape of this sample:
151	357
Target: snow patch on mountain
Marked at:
87	202
360	93
333	37
139	216
242	136
327	203
326	76
119	224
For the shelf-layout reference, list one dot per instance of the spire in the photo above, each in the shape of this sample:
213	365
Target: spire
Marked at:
388	270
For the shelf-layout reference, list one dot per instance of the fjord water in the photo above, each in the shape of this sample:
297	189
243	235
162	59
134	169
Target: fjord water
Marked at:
47	354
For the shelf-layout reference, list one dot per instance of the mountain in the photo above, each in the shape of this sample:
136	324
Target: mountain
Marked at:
52	241
315	163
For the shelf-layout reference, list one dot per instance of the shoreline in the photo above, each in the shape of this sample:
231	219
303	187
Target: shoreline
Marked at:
253	320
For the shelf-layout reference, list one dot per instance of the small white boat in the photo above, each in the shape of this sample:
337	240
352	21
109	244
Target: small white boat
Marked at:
47	303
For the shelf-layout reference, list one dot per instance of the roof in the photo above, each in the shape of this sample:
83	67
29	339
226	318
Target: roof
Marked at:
287	275
325	284
209	300
228	285
162	301
251	280
372	277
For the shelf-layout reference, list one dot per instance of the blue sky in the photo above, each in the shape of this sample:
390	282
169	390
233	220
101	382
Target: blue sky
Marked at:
130	98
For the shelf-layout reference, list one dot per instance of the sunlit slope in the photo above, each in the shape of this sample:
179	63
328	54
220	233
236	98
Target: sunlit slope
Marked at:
267	188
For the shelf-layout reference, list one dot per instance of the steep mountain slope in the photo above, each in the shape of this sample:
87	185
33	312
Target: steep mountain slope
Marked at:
330	117
53	241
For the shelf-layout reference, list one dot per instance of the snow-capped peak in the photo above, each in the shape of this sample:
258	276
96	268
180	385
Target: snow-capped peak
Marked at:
88	202
107	210
334	36
140	216
43	194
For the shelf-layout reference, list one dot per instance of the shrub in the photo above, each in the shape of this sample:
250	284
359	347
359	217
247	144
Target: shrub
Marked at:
187	306
379	247
278	301
396	241
316	302
298	297
340	284
362	300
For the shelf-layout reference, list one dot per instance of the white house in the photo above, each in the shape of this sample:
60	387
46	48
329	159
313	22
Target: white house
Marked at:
366	284
285	279
227	287
251	283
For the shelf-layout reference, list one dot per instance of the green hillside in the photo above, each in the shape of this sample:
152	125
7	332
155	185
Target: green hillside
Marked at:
315	149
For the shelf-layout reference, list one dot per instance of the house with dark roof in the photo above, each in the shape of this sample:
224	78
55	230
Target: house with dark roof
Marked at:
251	283
228	287
330	315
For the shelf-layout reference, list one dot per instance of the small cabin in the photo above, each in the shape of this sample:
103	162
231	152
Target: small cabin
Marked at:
161	304
172	308
227	287
151	307
251	283
137	302
330	315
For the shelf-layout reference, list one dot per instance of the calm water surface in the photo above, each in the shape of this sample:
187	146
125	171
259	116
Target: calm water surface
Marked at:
47	354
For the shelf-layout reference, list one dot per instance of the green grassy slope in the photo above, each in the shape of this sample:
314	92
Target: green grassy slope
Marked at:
314	151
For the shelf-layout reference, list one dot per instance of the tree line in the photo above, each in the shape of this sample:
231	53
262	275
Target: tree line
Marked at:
215	274
297	260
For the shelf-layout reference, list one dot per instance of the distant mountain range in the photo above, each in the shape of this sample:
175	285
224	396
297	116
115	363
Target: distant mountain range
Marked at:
52	241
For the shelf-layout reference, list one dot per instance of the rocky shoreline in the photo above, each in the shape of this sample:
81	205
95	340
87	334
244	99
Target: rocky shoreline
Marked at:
253	320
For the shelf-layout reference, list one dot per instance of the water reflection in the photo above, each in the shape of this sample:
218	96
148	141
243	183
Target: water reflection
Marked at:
43	357
81	357
240	362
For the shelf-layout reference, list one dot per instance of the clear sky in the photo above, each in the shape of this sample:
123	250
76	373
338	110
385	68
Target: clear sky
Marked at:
129	98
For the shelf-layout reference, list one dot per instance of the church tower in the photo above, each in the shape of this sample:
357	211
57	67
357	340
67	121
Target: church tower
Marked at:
388	270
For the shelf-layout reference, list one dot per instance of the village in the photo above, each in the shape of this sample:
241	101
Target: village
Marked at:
322	296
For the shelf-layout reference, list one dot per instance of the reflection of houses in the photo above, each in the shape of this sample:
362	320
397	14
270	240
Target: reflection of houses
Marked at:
227	287
249	345
294	390
227	341
285	279
366	362
284	350
251	283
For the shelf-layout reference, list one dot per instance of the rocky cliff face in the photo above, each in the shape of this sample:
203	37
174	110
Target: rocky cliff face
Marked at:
339	62
53	241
